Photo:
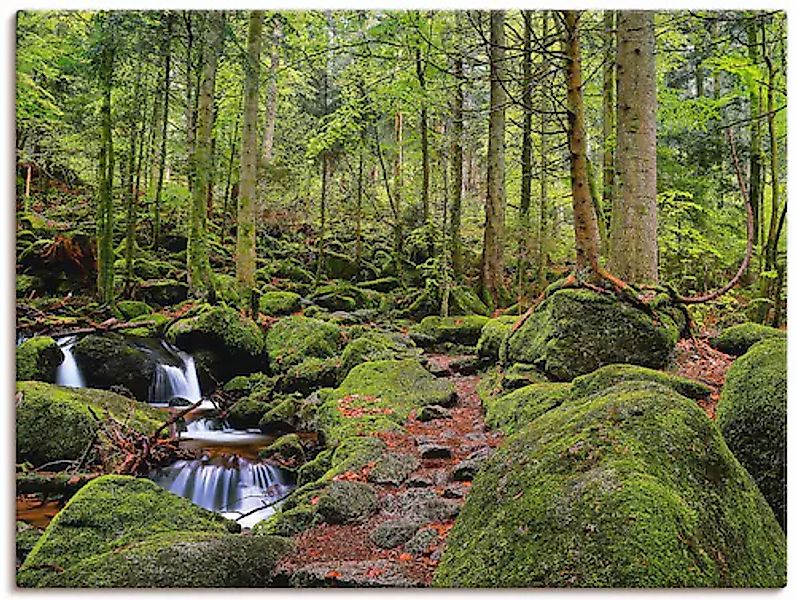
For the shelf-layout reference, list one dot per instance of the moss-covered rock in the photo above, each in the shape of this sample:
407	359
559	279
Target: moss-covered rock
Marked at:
110	359
463	330
292	340
287	451
277	304
282	417
38	358
152	324
634	487
493	337
752	414
130	309
375	345
392	468
247	412
315	468
120	531
26	537
513	411
518	375
347	502
738	339
577	331
310	374
613	374
379	395
461	301
233	343
163	292
56	424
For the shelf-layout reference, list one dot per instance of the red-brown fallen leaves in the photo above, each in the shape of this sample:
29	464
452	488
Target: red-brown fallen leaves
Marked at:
696	359
351	406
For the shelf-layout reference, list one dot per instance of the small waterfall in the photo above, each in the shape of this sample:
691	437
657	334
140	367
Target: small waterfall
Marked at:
213	431
175	381
68	373
230	485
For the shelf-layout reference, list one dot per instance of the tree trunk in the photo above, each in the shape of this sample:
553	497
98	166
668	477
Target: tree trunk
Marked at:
755	135
634	222
492	288
609	106
247	196
271	101
320	267
420	70
457	160
543	208
526	160
199	273
165	130
398	242
358	232
106	167
191	84
586	234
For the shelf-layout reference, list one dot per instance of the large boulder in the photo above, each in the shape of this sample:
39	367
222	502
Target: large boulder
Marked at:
38	358
493	336
120	531
293	339
375	345
110	359
738	339
54	423
163	292
226	342
577	331
630	487
277	304
435	331
752	416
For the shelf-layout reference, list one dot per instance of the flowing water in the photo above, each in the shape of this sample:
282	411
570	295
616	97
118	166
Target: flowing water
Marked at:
68	373
174	381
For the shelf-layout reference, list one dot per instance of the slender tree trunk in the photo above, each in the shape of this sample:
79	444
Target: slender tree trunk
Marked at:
360	183
609	106
527	161
199	273
320	268
634	222
247	197
105	200
492	288
755	150
272	97
165	131
398	191
457	160
191	86
233	149
543	208
586	234
421	79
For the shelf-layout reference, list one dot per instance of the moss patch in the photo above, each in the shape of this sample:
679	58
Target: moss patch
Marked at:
513	411
294	339
738	339
612	374
493	336
375	345
464	330
277	304
38	358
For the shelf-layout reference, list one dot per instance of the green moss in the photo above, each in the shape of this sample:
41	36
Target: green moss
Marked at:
55	423
577	331
287	449
281	418
493	337
612	374
108	514
247	412
287	522
276	304
344	502
738	339
464	301
518	375
375	345
294	339
110	359
247	384
633	488
38	358
26	538
131	309
27	283
227	290
310	374
464	330
163	292
158	323
752	414
513	411
491	384
316	468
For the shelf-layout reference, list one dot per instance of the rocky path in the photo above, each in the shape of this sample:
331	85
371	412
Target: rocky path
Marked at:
696	359
401	544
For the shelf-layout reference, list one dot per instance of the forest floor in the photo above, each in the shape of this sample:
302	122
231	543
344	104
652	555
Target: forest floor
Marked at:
696	359
345	555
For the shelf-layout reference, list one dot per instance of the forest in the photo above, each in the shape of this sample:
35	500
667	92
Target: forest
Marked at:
379	298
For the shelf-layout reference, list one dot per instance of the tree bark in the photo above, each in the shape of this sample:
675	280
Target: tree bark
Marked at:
457	160
524	245
634	222
247	197
105	197
492	287
271	101
609	107
165	126
420	71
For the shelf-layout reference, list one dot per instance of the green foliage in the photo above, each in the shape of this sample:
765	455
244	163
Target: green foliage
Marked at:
292	340
38	358
736	340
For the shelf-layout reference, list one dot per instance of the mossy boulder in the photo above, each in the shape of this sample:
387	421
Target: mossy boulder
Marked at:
130	309
518	375
163	292
232	344
310	374
461	301
613	374
292	340
462	330
54	423
287	451
110	359
738	339
38	358
152	324
283	416
577	331
344	296
752	414
375	345
120	531
513	411
347	502
378	396
493	337
247	412
277	304
633	487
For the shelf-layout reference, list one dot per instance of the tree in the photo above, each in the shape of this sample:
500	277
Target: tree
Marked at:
247	239
457	156
168	17
492	286
609	107
634	224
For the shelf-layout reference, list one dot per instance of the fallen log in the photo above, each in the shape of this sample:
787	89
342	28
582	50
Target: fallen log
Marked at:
52	484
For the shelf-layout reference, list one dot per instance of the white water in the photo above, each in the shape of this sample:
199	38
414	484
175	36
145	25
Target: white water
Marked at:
175	381
68	373
235	487
214	432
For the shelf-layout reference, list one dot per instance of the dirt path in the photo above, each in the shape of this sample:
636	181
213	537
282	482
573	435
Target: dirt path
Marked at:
696	359
345	555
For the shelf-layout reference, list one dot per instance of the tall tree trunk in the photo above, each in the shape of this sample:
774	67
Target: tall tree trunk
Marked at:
398	243
420	71
492	288
609	106
272	97
527	160
755	149
321	266
247	231
634	222
165	126
200	278
233	150
358	226
586	234
106	167
543	208
457	159
191	89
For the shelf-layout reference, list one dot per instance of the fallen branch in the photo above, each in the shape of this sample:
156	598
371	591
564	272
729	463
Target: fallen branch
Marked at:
109	325
52	484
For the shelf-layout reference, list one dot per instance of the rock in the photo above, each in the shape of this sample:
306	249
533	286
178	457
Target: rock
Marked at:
277	304
163	292
38	358
292	340
464	365
467	469
347	502
431	412
130	309
752	414
392	534
629	488
351	574
613	374
575	331
462	301
419	481
375	345
247	412
283	417
314	469
493	337
513	411
422	542
287	451
421	505
454	492
736	340
26	537
247	384
120	531
519	375
431	450
343	296
434	331
310	374
55	424
233	343
393	469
